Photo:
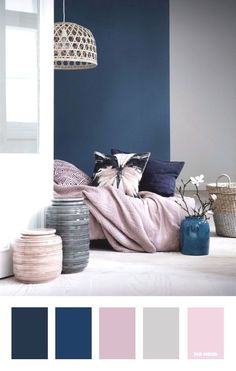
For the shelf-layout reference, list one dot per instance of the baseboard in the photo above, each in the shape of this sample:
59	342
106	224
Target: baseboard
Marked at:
6	266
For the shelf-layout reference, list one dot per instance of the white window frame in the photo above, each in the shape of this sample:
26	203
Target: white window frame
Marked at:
18	132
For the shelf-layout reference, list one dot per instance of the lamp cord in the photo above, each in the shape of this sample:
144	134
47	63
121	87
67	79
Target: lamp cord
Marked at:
64	11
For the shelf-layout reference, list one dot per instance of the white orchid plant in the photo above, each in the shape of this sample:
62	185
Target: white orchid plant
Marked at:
205	207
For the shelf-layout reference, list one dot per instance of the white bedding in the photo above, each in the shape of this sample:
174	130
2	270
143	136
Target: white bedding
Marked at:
116	273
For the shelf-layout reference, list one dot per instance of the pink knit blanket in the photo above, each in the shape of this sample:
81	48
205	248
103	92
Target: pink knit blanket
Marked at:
147	224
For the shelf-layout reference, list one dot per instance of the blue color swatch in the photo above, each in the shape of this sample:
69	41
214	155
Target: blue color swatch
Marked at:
29	333
73	333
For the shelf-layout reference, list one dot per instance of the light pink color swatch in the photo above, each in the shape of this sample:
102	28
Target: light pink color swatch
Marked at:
117	333
206	333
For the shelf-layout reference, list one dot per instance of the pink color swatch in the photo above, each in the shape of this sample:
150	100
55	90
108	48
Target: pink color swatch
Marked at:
117	333
206	333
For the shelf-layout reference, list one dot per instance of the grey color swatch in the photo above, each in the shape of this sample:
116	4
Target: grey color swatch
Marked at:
161	333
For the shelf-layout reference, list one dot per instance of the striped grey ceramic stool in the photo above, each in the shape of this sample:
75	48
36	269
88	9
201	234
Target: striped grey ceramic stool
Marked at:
70	218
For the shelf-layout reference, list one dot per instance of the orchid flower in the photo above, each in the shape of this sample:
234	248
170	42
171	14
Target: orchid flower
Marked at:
197	179
205	207
213	197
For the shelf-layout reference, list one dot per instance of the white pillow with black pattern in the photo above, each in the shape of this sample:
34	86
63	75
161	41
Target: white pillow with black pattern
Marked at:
122	170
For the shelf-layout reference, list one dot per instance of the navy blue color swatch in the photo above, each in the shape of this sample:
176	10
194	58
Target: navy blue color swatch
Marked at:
29	333
124	101
73	333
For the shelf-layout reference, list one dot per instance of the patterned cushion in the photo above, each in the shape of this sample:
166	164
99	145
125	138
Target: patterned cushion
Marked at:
159	176
123	171
69	175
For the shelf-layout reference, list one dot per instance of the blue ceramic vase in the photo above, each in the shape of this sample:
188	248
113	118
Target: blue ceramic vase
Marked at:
194	236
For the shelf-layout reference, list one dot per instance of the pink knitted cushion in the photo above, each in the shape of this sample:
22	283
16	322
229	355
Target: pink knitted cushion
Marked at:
69	175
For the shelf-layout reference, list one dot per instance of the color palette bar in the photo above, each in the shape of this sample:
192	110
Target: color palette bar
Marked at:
160	333
73	333
116	334
29	333
206	333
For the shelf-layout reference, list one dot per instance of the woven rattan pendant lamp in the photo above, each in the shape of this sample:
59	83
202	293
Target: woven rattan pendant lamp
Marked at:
74	46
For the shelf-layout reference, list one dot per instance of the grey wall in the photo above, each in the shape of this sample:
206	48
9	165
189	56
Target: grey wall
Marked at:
203	86
124	102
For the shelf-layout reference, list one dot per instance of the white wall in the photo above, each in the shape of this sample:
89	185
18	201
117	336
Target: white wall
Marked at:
26	186
203	86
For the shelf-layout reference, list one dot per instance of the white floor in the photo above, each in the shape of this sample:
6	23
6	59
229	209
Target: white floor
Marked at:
114	273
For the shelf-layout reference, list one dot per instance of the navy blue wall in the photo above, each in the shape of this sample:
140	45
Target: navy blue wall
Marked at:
124	102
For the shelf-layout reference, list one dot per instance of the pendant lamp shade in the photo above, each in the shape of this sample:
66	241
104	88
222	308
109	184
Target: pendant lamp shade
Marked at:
74	46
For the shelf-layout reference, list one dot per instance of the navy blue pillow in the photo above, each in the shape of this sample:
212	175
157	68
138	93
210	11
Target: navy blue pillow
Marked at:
159	176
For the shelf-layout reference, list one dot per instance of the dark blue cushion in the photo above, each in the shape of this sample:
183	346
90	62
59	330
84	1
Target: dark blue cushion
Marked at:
159	176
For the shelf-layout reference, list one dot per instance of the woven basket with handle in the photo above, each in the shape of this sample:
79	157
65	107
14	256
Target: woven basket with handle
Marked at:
224	206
